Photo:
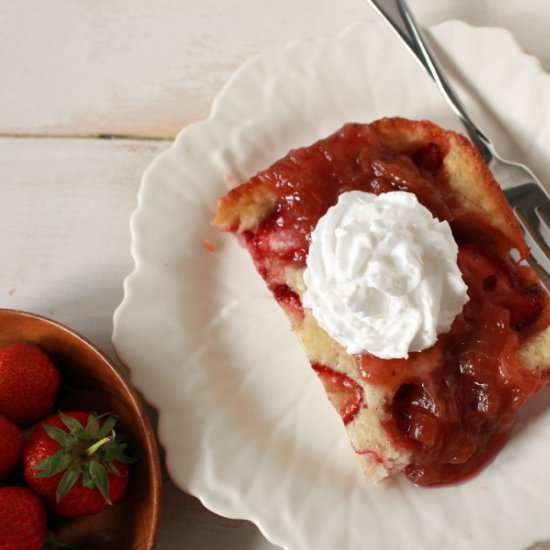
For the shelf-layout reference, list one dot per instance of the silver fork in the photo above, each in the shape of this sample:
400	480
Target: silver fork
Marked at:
529	199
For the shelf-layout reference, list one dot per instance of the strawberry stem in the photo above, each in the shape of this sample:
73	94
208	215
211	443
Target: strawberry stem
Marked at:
97	445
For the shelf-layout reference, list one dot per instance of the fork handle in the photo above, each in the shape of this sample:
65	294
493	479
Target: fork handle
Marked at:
400	18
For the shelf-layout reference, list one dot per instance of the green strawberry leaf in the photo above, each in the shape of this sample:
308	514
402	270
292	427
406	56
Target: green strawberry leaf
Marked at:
92	427
116	451
70	477
124	459
102	415
54	464
107	427
65	439
111	450
87	480
101	479
69	421
75	427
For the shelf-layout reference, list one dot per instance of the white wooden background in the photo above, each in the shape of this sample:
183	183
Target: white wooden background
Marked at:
90	92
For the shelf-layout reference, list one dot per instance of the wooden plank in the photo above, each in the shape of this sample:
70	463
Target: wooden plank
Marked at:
136	67
64	214
65	250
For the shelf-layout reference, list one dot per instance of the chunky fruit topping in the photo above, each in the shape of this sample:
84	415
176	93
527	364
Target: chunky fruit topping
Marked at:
346	395
457	417
491	279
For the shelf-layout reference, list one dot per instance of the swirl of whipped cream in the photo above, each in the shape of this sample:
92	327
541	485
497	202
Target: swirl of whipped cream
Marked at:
382	274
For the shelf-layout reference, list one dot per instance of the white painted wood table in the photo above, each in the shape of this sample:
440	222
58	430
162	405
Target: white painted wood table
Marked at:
90	92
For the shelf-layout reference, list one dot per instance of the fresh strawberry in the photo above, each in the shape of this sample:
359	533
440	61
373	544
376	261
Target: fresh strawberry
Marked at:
77	463
28	383
11	442
22	520
345	394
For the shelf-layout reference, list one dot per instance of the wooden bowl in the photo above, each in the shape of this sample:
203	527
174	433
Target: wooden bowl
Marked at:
90	382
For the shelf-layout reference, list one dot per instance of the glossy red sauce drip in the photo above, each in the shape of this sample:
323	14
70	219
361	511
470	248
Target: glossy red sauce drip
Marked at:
453	418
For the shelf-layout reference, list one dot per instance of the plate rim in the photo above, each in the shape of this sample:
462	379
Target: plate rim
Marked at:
207	499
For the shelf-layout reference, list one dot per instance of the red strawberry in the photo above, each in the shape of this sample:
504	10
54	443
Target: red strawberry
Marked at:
346	395
22	520
77	463
11	441
28	383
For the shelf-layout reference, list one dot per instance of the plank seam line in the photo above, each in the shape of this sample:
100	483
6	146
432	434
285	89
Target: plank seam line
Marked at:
107	137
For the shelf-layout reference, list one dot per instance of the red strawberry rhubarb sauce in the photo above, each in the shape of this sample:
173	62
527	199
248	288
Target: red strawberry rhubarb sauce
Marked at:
454	419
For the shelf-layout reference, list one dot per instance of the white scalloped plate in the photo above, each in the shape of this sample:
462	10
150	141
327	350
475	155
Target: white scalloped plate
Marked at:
245	424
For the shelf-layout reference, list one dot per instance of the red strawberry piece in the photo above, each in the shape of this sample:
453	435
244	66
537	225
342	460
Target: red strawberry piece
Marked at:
28	383
77	462
11	442
22	520
489	279
345	394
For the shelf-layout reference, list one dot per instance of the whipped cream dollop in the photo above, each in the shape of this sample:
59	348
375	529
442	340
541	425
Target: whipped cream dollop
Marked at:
382	274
